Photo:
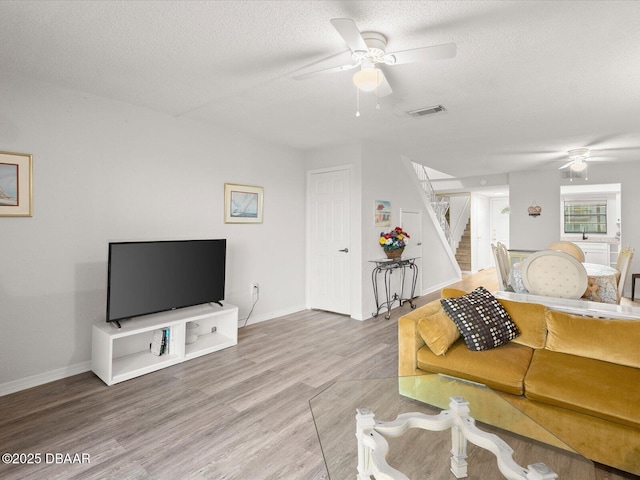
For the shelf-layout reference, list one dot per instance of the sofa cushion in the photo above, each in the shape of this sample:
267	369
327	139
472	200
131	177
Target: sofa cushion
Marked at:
452	292
438	331
611	340
501	368
593	387
531	321
482	320
529	318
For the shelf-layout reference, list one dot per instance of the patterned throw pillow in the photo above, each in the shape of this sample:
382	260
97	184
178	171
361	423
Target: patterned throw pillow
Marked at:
482	320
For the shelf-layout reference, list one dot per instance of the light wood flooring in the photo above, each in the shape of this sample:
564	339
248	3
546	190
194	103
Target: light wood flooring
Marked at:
239	414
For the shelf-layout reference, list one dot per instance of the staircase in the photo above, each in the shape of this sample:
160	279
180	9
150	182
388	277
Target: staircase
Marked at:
440	206
437	208
463	253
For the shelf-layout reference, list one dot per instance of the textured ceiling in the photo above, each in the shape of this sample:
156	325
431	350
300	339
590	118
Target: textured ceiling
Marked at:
531	79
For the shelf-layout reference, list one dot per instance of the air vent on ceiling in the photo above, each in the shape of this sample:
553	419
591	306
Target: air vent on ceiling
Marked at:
427	111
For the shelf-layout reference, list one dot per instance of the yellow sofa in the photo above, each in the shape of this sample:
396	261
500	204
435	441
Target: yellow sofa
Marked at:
576	375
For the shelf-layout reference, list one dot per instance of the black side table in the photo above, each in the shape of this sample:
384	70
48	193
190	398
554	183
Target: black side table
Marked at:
387	266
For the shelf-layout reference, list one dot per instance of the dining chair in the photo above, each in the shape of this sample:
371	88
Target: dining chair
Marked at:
505	261
568	247
504	256
553	273
622	265
502	280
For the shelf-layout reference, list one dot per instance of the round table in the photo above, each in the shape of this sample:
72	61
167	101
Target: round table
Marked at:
602	286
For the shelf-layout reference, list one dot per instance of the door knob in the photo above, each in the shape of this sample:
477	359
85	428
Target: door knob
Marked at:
345	250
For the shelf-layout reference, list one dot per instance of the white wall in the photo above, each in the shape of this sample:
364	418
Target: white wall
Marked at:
544	187
379	174
384	177
525	188
107	171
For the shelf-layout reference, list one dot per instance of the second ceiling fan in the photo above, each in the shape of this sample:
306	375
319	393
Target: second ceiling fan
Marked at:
368	51
578	158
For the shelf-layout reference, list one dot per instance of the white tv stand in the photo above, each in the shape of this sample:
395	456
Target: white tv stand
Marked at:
119	354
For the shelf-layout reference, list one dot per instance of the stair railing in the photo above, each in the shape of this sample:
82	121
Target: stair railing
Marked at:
460	223
439	203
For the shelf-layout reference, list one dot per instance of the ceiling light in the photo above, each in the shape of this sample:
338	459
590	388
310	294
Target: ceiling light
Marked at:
578	166
367	79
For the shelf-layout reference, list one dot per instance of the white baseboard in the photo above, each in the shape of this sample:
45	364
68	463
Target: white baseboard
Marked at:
42	378
436	288
270	316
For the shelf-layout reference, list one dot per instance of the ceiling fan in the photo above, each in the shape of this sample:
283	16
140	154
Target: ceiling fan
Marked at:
368	52
578	158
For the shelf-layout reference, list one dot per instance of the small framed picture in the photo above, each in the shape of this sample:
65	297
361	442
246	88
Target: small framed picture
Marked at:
243	203
16	195
382	213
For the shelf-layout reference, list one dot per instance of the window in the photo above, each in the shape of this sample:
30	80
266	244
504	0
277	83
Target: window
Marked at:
588	216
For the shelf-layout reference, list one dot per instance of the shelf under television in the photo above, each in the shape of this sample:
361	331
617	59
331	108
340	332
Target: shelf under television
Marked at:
136	364
207	343
119	354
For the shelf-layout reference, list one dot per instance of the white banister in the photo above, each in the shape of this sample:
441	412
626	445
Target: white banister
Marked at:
440	204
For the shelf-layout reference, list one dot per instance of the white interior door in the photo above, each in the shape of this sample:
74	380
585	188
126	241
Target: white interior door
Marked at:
481	256
500	220
411	222
329	236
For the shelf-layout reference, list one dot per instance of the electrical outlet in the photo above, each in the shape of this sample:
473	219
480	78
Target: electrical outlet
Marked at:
255	289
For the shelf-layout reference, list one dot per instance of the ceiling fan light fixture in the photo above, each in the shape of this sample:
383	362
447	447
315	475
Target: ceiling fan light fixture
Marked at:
578	166
578	153
367	79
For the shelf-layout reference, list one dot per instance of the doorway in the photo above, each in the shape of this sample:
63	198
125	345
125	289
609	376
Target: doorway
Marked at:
329	259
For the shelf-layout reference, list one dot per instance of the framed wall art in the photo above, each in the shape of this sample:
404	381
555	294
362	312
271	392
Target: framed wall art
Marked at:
16	192
382	213
243	203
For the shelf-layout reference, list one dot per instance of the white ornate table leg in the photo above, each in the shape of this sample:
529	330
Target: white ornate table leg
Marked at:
364	421
373	448
460	408
539	471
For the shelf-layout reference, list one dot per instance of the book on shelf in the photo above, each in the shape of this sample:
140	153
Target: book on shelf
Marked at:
156	343
161	343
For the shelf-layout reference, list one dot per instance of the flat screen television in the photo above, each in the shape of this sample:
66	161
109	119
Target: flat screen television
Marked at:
152	277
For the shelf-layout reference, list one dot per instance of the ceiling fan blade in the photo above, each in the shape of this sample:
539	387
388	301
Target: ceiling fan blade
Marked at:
324	71
435	52
616	149
384	88
350	34
566	165
600	159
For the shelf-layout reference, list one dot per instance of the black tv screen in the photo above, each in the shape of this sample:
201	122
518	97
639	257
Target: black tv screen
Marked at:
151	277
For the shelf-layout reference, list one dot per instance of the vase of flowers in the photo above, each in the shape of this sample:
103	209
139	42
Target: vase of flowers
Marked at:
393	242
